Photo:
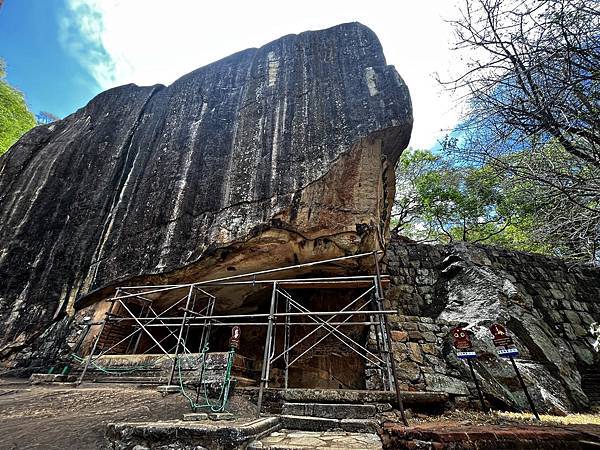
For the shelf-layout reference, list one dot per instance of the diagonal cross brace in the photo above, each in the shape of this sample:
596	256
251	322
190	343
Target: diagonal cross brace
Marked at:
157	317
285	294
145	330
336	333
329	334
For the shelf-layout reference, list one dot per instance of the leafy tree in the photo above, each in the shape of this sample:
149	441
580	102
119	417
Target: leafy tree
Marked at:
408	205
533	88
15	117
562	195
532	73
442	199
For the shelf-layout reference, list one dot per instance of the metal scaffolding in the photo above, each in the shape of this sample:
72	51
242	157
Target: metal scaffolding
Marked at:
195	308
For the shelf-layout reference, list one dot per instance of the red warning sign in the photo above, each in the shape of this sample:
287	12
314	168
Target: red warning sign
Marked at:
501	336
461	338
234	340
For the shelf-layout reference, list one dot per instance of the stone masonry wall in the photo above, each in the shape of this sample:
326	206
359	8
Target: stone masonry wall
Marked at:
547	305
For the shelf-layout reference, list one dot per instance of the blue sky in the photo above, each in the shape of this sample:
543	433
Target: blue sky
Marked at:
61	53
51	77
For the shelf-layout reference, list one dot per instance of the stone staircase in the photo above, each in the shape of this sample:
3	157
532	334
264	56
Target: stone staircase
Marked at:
335	410
325	425
349	417
296	440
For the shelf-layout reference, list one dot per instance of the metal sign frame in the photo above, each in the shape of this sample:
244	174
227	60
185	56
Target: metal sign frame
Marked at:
461	340
503	339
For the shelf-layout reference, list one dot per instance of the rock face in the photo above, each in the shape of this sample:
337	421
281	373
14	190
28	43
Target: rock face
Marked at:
547	306
267	157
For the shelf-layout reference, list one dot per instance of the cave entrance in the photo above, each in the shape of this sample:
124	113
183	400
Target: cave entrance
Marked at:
319	336
306	331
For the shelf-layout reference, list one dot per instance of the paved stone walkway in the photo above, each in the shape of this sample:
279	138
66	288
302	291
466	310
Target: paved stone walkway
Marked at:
289	439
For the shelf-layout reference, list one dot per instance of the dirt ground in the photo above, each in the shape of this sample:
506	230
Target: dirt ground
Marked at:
62	417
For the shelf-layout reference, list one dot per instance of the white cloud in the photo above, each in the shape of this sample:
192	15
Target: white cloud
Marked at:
156	41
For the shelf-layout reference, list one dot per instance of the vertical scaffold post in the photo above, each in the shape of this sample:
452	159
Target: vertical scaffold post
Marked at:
388	339
181	327
106	318
264	379
193	309
380	331
206	325
286	343
136	338
204	341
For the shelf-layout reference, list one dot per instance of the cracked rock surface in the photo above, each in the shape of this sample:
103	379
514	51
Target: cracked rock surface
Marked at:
270	156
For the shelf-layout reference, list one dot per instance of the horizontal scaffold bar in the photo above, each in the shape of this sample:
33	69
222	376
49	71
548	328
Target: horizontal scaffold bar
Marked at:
261	324
292	283
262	272
247	316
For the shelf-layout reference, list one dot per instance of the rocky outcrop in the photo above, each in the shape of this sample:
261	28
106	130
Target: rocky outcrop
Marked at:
547	305
267	157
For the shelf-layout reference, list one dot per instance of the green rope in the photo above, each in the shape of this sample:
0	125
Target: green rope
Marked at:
218	406
223	398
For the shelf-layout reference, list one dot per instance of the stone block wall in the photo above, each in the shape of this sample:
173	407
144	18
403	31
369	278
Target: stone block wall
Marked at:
414	270
418	345
547	305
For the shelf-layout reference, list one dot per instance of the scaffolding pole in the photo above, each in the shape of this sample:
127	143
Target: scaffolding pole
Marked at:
373	316
388	338
183	322
268	340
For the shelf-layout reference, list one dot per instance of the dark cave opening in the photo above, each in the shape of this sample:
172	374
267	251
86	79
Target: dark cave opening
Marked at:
324	360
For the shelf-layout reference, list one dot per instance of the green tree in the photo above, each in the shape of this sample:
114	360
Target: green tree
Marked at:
408	205
443	199
532	86
438	200
560	194
15	117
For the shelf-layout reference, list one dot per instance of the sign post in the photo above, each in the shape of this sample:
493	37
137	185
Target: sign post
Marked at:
234	340
506	349
462	343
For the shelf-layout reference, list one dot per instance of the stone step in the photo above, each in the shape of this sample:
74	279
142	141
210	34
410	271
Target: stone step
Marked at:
308	423
99	377
333	410
189	434
274	398
42	378
145	376
294	440
410	398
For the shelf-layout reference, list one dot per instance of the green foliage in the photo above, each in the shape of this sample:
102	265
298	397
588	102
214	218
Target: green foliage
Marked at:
15	117
532	83
459	203
440	199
